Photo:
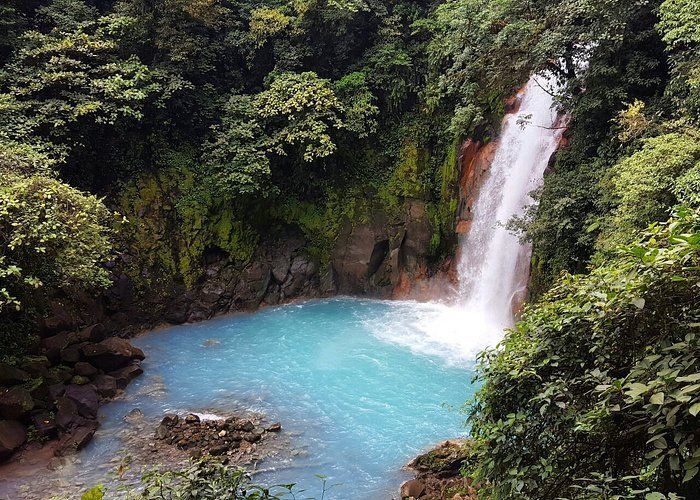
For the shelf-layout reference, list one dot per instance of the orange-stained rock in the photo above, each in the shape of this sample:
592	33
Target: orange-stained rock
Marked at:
463	226
475	159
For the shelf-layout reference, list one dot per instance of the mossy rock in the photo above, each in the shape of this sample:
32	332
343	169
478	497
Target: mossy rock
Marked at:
447	457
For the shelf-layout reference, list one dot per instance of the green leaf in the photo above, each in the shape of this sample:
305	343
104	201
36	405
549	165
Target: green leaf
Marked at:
695	377
690	474
657	399
690	388
654	496
639	303
95	493
694	409
636	389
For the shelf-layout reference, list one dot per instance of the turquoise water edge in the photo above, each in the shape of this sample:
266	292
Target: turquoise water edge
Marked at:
358	389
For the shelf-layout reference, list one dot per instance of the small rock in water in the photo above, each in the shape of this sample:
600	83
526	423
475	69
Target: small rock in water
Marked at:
133	415
162	431
244	425
191	419
276	427
170	419
210	343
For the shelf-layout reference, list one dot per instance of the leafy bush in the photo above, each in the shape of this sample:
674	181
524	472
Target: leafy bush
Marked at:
53	237
596	392
202	479
206	479
643	185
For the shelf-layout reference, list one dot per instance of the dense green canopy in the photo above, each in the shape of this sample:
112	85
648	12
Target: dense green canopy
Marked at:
208	123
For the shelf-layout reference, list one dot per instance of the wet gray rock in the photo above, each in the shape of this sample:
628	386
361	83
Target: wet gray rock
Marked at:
125	375
71	354
170	419
67	416
93	333
85	398
106	385
162	431
84	369
52	346
192	419
76	439
56	390
413	488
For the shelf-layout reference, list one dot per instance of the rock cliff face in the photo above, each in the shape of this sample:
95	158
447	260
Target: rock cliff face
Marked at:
372	258
475	159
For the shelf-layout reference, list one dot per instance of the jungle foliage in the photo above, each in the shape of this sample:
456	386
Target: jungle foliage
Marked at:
594	393
213	123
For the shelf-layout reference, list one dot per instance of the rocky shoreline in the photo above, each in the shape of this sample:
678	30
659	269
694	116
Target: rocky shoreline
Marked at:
242	439
55	394
231	438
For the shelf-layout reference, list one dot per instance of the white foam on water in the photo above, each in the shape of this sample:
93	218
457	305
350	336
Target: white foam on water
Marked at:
454	334
209	417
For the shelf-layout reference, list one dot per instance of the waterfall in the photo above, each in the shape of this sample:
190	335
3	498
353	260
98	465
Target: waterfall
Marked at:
493	266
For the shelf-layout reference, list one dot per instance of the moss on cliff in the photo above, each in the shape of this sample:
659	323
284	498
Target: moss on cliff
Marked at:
169	234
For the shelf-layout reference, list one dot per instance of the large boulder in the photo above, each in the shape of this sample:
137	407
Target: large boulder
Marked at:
59	318
85	398
36	366
56	390
84	369
15	402
56	345
71	354
12	436
106	385
125	375
94	333
413	488
52	346
59	374
439	473
76	439
112	353
67	416
10	375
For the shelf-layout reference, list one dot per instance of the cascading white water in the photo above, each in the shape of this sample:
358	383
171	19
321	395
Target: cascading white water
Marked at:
493	265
